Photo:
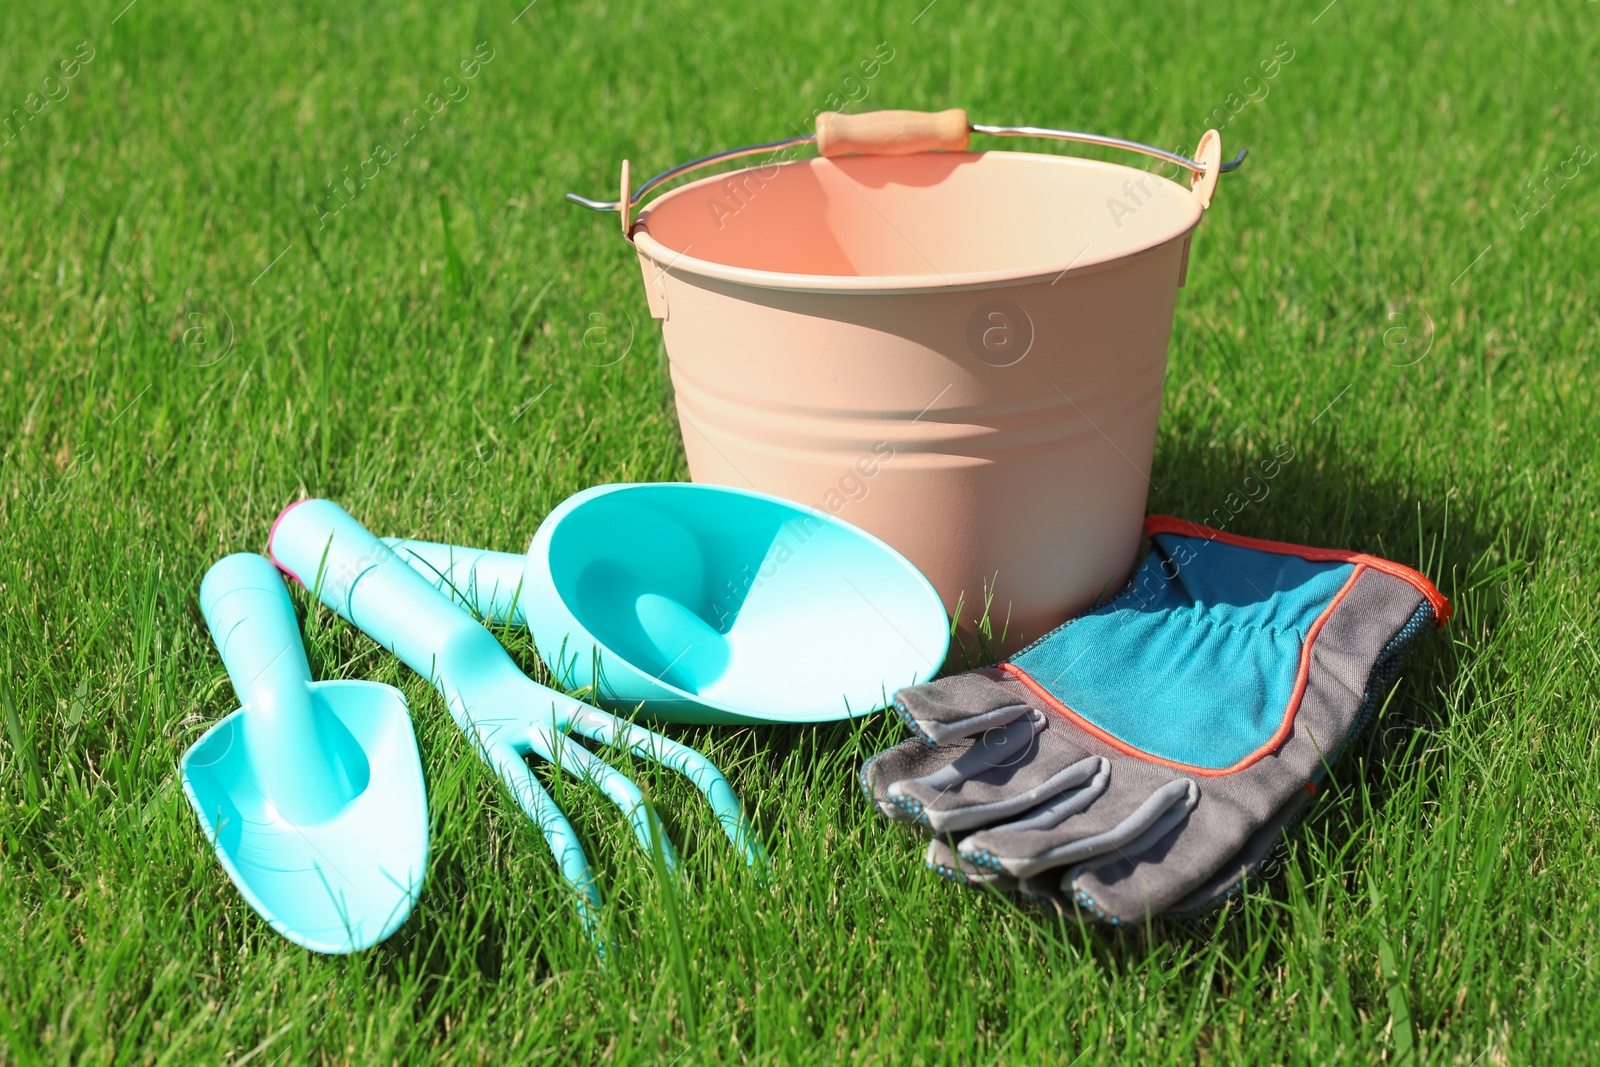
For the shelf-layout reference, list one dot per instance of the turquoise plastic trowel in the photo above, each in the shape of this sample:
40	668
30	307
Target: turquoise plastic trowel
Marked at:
311	793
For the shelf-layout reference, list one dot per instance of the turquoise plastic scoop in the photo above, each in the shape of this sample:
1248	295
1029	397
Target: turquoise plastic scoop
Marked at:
707	604
506	715
311	793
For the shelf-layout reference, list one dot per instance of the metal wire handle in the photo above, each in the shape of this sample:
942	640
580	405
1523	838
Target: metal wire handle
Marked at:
993	131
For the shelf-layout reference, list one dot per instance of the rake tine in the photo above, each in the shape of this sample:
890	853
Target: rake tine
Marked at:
607	729
571	757
558	832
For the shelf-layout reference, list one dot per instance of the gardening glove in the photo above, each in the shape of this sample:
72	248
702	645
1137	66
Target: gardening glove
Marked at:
1144	757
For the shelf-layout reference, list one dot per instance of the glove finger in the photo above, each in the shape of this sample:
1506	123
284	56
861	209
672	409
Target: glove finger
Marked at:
1066	792
1138	800
913	760
1245	863
1001	774
891	765
947	863
1181	874
954	864
952	708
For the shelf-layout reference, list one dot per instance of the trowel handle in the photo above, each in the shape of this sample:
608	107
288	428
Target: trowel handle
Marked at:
253	624
319	545
488	583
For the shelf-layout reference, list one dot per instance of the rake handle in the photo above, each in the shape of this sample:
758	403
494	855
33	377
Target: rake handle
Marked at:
321	546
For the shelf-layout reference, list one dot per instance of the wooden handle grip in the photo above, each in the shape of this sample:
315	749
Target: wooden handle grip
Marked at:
891	133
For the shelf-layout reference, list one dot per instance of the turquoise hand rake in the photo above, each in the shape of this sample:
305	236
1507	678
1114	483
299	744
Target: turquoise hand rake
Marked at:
506	715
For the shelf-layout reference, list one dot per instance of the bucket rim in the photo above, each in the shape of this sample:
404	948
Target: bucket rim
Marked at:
670	260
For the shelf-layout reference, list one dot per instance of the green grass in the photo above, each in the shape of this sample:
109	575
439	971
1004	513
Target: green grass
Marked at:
186	345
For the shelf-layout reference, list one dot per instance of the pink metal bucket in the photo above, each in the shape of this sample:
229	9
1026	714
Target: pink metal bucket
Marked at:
961	352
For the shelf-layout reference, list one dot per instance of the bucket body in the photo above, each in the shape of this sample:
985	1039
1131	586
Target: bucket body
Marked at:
962	353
